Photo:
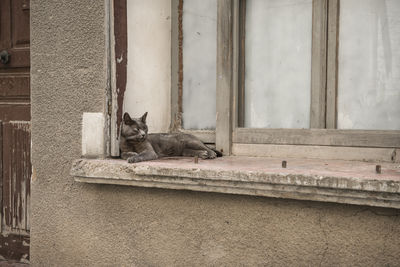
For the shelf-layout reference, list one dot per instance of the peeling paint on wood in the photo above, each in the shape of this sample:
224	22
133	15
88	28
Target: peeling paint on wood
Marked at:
16	175
119	61
15	133
176	65
121	57
180	42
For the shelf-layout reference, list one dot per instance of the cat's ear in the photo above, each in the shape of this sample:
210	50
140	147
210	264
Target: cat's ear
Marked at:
127	118
143	118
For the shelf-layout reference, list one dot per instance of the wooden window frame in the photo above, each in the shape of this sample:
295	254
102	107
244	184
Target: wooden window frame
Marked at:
324	76
228	136
318	111
207	136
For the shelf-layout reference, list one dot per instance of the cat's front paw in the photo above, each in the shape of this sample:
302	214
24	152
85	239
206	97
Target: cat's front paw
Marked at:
212	154
126	155
134	159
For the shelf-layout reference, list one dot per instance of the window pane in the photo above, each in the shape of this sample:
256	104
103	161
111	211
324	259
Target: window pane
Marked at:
369	65
199	64
278	63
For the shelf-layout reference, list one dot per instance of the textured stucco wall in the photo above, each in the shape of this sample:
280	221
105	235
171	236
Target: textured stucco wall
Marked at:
77	224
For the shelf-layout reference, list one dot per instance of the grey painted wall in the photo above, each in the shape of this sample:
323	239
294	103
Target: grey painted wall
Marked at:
75	224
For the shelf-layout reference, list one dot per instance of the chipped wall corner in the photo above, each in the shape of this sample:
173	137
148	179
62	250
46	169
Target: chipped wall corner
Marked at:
93	137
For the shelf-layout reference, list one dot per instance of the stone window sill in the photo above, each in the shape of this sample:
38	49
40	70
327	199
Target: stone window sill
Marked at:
347	182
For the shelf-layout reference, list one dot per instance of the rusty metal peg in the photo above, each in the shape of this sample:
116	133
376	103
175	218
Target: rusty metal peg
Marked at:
284	164
378	169
196	159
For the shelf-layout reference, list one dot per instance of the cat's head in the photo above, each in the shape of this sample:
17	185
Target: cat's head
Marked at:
134	130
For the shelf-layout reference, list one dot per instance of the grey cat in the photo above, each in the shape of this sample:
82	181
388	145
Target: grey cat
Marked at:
136	145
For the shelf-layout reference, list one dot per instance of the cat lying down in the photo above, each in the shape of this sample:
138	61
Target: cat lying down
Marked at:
136	145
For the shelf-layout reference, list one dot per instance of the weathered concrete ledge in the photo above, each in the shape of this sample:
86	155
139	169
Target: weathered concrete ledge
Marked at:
327	181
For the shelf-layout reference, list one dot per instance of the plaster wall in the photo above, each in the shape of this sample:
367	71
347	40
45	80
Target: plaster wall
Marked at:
75	224
149	62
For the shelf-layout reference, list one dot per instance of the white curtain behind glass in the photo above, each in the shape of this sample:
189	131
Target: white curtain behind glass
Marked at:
278	63
369	65
199	64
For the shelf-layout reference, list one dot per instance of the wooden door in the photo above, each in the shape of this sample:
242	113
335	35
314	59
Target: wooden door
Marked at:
15	144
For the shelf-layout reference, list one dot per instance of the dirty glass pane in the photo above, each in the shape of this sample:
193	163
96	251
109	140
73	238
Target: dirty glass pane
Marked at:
199	24
278	63
369	65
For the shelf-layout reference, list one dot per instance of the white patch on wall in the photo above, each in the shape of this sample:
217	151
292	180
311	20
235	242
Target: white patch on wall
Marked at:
369	65
93	135
278	63
199	64
149	62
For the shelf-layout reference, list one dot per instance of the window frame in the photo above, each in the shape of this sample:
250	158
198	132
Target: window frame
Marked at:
318	63
228	136
318	77
324	76
207	136
117	72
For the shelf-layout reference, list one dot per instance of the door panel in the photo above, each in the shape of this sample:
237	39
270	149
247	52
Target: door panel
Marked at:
15	111
20	18
14	85
18	58
15	118
15	32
